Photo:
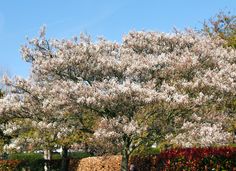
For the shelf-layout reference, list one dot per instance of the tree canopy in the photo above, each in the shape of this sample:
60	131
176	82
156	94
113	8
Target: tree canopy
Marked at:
183	78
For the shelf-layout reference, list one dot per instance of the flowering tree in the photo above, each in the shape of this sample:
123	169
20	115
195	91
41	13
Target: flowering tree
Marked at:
32	120
93	76
188	71
224	26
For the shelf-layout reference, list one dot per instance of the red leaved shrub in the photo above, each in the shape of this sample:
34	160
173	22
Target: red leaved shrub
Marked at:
9	165
194	159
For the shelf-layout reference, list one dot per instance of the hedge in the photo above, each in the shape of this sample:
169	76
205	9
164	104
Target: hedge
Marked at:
9	165
192	159
188	159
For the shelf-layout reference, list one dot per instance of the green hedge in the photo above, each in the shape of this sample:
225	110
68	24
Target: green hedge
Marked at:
79	155
37	156
38	165
25	156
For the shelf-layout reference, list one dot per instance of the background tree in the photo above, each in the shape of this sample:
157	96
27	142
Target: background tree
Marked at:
222	25
4	139
38	122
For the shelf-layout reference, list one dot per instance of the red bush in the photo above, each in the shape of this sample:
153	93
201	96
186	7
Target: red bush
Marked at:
194	159
9	165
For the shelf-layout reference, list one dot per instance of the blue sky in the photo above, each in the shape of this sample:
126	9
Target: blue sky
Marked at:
108	18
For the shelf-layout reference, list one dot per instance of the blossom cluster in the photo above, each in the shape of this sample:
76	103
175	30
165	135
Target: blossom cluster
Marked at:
29	134
115	128
200	133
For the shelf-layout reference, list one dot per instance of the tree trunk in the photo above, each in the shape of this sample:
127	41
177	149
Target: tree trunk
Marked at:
124	161
64	161
47	155
125	155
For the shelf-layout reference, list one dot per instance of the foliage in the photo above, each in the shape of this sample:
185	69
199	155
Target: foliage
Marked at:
37	156
199	158
25	156
218	158
79	155
224	26
35	161
38	165
144	151
102	163
8	165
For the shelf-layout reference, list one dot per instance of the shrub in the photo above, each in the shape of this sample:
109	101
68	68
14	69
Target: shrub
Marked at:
79	155
194	159
104	163
25	156
35	161
188	159
8	165
38	165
